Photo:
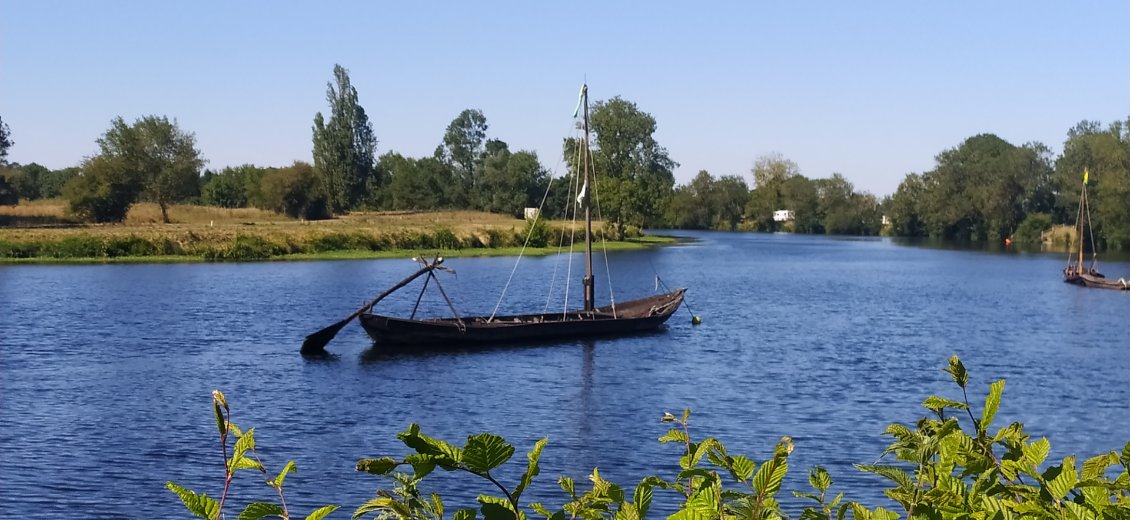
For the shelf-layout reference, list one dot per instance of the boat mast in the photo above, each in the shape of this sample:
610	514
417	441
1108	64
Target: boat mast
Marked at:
1082	222
588	281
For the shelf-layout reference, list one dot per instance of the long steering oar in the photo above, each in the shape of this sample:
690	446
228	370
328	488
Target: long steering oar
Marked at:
316	342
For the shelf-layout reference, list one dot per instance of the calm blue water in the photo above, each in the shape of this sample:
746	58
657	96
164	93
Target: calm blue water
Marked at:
106	371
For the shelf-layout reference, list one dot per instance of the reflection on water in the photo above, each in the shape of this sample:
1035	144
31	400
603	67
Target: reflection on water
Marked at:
107	370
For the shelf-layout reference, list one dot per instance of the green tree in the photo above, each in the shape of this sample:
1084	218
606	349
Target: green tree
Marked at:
770	172
510	182
8	194
731	194
1105	154
463	146
690	206
160	156
294	191
232	187
904	208
984	188
51	183
28	180
416	183
799	194
104	191
5	141
345	147
634	179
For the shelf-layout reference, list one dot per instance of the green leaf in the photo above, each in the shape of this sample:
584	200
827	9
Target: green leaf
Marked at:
278	480
704	500
495	508
486	451
532	468
675	435
1094	467
1060	479
819	479
957	371
768	479
897	475
464	514
219	412
642	498
202	506
246	463
1126	455
381	466
992	402
1035	453
567	485
937	404
742	468
258	510
423	465
437	505
321	512
375	504
447	455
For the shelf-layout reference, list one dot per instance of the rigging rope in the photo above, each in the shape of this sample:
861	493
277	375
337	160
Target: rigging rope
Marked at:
603	242
521	252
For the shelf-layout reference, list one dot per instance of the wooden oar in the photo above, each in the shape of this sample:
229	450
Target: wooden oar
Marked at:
316	342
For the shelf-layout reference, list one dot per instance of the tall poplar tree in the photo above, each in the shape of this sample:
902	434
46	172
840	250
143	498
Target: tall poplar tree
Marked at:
345	146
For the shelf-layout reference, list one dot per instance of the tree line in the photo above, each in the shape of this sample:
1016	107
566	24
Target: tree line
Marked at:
983	189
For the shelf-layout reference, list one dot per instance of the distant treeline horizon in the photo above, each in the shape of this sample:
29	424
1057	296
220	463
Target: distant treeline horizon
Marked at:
983	189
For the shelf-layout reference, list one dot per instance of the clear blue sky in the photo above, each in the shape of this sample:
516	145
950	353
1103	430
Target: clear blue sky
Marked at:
871	90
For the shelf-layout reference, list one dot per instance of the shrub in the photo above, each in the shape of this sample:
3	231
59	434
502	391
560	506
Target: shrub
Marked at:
1031	231
129	246
444	238
245	248
535	233
104	191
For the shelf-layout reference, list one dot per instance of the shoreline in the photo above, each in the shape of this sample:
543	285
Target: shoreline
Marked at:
646	242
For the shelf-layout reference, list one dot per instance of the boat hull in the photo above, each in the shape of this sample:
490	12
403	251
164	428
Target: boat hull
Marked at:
632	317
1096	282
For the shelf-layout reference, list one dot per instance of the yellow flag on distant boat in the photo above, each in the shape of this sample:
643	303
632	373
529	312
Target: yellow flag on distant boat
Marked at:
1085	175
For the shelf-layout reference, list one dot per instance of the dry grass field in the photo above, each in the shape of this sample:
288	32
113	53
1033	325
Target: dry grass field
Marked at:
42	230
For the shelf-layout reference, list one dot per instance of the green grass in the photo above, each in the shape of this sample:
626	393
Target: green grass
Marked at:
355	254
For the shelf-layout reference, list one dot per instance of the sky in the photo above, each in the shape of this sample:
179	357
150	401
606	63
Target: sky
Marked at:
871	90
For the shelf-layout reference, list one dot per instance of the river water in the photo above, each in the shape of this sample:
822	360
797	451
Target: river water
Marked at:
106	371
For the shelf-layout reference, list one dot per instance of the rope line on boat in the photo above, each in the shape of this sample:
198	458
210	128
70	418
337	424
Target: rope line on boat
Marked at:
659	283
603	241
560	247
521	252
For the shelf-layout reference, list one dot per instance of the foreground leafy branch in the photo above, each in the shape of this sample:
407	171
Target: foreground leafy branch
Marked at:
243	457
948	465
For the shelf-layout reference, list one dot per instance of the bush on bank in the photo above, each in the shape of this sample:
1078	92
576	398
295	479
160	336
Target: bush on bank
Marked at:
262	246
947	465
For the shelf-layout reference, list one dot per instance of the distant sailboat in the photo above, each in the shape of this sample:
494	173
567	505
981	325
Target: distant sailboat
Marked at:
1074	272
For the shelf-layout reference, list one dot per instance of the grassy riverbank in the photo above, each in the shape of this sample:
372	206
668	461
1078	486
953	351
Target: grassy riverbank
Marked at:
41	233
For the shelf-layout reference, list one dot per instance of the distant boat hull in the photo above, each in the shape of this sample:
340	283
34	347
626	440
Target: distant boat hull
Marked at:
1097	281
630	317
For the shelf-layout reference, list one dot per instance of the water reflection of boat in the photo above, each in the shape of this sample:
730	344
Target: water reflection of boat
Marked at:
631	317
1074	273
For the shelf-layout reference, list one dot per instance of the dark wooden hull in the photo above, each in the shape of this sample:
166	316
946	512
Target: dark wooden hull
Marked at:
630	317
1096	281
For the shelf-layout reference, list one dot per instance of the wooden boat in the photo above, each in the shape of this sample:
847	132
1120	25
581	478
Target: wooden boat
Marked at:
631	317
1074	273
636	316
